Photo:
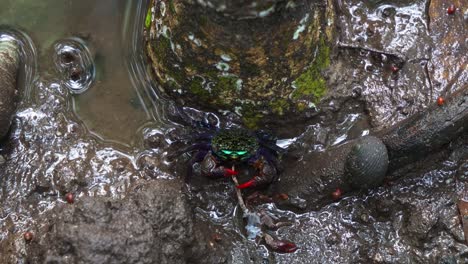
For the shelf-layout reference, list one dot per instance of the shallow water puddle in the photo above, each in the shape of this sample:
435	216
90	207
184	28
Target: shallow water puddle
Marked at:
111	108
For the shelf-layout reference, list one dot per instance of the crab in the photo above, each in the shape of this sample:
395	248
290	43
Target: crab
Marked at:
219	152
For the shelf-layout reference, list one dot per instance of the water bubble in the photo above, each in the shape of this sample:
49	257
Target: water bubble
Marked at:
73	61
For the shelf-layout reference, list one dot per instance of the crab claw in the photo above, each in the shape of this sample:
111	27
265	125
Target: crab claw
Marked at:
229	172
286	247
248	184
280	246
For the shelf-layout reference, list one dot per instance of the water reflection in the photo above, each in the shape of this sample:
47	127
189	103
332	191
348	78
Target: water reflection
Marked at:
73	61
53	152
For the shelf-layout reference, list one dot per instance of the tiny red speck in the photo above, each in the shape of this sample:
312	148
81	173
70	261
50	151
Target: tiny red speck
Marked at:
217	237
336	195
440	101
70	198
28	236
394	69
451	9
283	196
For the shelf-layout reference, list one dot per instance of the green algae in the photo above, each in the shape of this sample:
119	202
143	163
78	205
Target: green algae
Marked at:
149	16
197	89
172	85
250	69
279	106
311	81
211	88
221	95
225	91
226	84
252	119
161	47
172	7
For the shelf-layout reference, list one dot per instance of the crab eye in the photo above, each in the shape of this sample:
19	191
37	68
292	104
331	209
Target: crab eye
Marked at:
241	153
227	152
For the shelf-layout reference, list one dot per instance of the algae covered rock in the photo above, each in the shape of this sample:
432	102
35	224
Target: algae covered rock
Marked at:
259	61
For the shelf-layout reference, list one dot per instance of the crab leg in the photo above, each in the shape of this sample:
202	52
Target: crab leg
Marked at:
239	194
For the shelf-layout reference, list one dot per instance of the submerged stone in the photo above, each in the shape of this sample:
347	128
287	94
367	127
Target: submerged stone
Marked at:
262	62
367	163
9	63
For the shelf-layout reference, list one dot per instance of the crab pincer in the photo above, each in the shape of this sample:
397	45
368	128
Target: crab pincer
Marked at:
229	172
257	181
250	183
280	246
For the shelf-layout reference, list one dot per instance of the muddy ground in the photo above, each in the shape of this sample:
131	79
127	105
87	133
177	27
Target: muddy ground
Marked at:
131	204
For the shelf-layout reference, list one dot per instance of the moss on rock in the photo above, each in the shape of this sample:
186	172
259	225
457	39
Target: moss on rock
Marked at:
311	81
258	69
197	89
279	106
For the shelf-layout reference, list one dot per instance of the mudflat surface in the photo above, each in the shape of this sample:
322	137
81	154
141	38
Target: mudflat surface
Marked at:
129	193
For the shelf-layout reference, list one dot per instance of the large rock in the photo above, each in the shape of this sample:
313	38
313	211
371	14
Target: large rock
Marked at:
9	62
153	225
259	60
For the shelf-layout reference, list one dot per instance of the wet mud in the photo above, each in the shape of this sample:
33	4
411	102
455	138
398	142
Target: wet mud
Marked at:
132	205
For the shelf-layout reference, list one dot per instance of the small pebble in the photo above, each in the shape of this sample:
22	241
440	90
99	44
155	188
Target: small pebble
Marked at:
440	101
451	9
389	11
405	111
394	69
2	160
217	237
332	239
336	195
70	198
388	182
364	218
28	236
283	196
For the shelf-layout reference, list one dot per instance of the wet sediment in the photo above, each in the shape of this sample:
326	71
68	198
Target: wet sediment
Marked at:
428	131
152	225
407	142
51	153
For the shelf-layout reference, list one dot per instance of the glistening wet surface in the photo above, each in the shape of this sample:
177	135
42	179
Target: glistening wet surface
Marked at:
102	140
112	100
79	108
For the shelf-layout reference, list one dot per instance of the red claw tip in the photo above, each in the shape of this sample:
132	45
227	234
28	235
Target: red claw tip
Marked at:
229	172
451	9
248	184
286	247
